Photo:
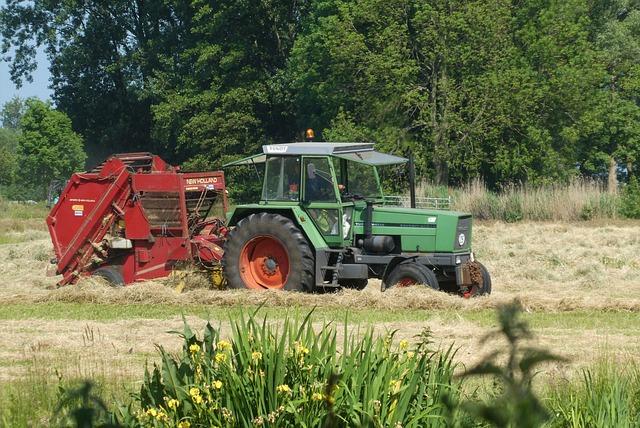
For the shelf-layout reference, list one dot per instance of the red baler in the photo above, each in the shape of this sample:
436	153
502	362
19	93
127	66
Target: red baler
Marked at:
135	217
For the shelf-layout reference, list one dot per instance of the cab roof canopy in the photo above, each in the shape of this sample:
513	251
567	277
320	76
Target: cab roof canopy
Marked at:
357	152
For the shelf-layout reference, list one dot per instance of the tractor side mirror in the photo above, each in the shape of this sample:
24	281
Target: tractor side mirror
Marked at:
311	171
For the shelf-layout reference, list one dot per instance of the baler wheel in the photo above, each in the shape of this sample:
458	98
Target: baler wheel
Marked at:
267	251
111	274
411	273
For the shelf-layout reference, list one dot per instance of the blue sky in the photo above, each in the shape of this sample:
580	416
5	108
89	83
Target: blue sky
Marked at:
39	87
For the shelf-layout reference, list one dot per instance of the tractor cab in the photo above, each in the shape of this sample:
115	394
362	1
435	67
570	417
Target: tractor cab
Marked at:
326	180
328	197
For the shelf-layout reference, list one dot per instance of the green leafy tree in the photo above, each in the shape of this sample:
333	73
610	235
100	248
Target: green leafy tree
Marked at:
12	112
102	56
612	134
8	143
529	91
221	94
47	147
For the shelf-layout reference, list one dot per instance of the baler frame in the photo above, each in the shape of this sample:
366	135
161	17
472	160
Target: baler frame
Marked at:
140	215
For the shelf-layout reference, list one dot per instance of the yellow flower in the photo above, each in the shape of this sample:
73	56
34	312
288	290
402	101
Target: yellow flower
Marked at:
173	404
395	386
195	395
162	417
410	355
283	389
256	356
220	357
301	349
184	424
223	345
404	344
194	349
316	396
152	412
217	384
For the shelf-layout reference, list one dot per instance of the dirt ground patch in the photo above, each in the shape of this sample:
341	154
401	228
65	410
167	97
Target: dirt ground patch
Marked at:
555	268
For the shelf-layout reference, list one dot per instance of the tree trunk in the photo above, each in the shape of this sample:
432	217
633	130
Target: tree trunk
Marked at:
612	183
442	172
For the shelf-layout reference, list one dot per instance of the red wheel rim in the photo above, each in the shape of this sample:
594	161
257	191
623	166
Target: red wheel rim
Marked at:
406	282
264	263
471	292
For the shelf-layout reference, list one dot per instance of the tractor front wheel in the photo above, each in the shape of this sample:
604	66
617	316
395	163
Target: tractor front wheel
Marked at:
411	273
481	287
267	251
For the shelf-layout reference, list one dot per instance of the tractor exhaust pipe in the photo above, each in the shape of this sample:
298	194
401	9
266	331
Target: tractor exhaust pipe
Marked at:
368	222
412	181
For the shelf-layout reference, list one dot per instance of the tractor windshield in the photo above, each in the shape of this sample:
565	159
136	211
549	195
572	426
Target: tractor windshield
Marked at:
360	181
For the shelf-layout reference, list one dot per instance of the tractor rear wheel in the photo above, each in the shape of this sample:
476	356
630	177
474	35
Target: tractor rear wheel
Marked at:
411	273
267	251
111	274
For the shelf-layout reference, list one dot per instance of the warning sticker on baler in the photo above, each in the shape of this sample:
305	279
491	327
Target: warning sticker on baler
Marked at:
78	210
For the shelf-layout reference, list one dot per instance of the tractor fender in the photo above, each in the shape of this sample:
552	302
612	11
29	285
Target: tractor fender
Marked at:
234	215
391	266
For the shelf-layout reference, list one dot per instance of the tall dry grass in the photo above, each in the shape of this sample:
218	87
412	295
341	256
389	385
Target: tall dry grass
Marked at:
578	200
20	221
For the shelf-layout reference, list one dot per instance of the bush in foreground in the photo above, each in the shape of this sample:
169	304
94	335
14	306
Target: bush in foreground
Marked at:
292	374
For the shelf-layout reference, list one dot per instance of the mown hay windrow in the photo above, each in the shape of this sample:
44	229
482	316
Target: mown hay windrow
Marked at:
547	266
417	298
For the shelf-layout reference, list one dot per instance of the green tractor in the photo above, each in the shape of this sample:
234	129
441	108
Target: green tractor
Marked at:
323	223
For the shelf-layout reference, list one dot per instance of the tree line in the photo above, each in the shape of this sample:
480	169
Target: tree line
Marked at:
534	91
37	146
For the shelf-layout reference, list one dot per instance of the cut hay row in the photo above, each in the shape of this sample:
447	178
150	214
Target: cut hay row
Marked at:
157	292
548	267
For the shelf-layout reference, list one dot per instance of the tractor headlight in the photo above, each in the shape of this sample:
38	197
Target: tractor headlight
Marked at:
462	239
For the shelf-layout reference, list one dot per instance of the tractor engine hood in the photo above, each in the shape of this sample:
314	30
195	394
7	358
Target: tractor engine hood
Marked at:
418	230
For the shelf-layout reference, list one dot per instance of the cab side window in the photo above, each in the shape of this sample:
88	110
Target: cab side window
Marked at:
282	179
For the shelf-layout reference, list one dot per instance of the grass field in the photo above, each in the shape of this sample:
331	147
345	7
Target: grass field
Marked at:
579	284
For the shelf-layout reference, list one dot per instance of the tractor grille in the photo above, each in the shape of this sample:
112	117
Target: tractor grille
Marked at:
463	233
